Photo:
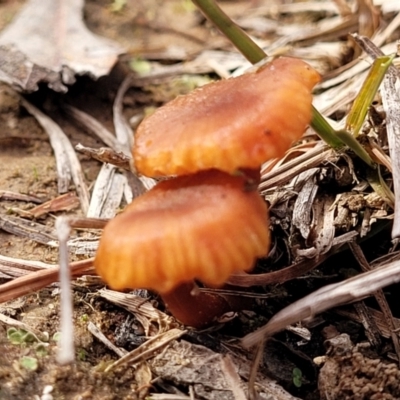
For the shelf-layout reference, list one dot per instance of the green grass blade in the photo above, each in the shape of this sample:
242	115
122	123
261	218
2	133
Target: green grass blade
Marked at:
361	104
324	130
231	30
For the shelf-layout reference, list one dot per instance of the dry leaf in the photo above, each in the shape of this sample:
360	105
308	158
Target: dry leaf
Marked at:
49	42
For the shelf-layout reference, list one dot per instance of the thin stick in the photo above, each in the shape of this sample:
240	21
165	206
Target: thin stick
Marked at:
39	279
66	351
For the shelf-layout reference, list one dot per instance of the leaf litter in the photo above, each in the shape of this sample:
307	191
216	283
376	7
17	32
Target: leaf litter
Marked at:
320	200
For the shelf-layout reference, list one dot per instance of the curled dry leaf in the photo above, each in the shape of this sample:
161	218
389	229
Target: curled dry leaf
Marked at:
184	364
48	41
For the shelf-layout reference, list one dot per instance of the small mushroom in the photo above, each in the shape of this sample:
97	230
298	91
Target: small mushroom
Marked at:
203	226
210	224
230	124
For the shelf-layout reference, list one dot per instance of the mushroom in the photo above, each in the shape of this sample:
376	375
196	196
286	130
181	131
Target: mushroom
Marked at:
230	124
208	222
203	226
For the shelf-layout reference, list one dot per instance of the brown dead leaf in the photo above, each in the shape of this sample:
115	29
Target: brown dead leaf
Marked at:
49	42
65	202
186	364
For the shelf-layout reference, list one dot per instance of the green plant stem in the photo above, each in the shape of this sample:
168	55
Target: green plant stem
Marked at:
354	145
324	130
231	30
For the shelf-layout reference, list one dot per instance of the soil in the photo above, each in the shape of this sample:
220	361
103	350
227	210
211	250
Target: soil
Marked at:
28	365
28	167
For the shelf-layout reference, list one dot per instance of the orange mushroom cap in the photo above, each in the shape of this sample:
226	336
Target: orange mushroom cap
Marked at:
235	123
204	226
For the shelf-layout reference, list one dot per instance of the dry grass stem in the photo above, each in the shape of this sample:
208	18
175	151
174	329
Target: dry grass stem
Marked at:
379	297
379	319
148	349
294	270
107	193
95	331
123	131
283	174
92	125
232	378
106	155
330	296
34	281
68	165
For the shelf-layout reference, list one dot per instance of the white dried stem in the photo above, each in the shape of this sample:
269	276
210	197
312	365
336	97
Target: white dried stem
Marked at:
66	350
67	161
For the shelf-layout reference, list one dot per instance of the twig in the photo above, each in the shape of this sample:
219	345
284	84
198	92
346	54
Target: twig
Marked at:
66	351
40	279
88	223
93	125
7	195
106	155
232	377
149	348
330	296
95	331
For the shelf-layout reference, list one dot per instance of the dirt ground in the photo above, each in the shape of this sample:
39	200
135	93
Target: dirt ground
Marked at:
28	365
28	167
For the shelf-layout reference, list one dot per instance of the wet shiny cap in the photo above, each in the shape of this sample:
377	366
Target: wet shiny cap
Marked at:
230	124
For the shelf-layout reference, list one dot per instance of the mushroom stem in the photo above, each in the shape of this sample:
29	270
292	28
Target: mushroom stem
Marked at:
198	309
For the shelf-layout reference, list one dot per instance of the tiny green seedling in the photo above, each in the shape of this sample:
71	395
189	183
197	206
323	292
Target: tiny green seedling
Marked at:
23	338
35	174
81	354
20	336
297	377
139	66
41	349
29	363
117	5
84	318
